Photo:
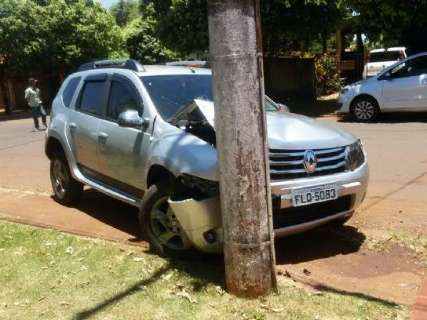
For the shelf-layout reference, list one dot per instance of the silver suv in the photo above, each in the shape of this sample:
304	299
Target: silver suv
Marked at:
145	135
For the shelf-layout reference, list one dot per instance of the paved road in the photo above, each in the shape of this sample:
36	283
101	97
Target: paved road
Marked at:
395	204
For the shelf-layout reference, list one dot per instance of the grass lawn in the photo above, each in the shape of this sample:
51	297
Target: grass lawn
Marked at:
50	275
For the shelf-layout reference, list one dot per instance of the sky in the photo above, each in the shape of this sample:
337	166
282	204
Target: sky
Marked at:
107	3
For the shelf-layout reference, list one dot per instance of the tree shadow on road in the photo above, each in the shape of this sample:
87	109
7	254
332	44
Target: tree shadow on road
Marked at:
392	118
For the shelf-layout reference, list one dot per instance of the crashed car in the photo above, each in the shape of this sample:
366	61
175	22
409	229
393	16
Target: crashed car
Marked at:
145	135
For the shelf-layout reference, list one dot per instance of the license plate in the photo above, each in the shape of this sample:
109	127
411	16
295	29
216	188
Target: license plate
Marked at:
310	195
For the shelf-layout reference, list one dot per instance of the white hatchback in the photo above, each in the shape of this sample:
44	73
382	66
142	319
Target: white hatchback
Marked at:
379	59
401	87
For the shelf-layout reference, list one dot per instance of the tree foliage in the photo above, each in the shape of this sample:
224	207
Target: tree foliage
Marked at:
55	34
125	11
393	22
142	42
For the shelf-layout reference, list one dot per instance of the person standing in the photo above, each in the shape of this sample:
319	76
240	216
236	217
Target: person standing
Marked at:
32	95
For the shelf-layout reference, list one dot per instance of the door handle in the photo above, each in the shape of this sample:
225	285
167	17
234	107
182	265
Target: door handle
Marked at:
72	126
102	137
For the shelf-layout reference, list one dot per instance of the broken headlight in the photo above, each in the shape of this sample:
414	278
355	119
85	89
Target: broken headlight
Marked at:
199	188
355	156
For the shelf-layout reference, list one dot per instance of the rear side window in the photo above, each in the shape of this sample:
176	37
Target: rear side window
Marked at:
121	99
92	98
69	91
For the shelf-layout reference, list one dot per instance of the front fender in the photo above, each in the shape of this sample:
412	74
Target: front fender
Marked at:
181	152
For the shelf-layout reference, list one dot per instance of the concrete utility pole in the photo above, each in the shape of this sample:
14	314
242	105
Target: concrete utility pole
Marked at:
236	54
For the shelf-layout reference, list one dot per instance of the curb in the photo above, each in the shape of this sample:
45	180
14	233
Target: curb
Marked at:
15	116
419	310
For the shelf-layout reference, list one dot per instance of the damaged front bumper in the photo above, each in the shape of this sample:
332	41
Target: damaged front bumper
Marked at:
201	219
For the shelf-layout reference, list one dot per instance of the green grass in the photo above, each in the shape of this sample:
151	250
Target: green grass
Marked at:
50	275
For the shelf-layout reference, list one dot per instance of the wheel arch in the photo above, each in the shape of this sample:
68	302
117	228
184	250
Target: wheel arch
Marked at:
159	174
54	146
365	95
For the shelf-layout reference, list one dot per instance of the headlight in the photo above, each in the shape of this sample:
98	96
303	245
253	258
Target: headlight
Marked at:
355	156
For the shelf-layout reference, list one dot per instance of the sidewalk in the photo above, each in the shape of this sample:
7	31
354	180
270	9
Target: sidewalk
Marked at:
419	310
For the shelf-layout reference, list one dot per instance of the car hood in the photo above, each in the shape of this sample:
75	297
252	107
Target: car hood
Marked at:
285	130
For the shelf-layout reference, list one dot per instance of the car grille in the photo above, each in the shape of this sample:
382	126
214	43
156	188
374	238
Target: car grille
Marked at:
296	215
289	164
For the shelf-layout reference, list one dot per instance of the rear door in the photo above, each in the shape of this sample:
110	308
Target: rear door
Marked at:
84	121
122	150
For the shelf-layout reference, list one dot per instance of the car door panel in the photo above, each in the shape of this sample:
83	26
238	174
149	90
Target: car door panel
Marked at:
406	87
122	150
85	119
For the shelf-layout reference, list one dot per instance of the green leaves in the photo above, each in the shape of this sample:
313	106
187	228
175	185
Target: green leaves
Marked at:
56	34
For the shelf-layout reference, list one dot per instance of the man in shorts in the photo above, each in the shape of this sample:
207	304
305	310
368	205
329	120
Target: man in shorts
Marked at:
32	95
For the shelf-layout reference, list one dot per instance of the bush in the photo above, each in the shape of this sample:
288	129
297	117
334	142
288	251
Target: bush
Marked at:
328	79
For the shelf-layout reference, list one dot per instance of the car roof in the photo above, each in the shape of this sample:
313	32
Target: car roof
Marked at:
151	70
388	49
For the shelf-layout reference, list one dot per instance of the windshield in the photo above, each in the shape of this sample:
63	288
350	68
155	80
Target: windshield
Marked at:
385	56
170	92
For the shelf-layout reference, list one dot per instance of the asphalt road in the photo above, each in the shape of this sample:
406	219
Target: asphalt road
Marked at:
396	204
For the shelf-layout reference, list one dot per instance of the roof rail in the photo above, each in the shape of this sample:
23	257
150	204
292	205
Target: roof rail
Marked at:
122	64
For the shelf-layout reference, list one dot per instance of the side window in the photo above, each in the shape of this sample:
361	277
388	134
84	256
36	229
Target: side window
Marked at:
68	93
92	98
120	100
419	66
411	68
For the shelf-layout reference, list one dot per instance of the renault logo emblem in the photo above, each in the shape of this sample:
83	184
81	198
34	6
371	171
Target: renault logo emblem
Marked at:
310	161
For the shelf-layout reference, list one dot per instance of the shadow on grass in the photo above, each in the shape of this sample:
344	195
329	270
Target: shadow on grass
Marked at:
86	314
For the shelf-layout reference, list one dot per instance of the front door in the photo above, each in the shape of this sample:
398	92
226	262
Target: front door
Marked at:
122	150
406	88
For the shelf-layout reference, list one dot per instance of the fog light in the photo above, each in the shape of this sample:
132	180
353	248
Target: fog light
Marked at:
210	236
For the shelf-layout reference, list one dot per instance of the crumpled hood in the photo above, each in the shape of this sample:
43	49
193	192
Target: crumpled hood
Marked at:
291	131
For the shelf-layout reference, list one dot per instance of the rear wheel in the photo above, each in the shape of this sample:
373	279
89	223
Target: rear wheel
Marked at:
66	189
364	109
159	224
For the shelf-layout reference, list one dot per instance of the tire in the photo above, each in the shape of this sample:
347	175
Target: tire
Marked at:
365	109
67	191
159	225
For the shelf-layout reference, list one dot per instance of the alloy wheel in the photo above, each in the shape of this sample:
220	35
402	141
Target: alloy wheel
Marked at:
364	110
166	227
60	178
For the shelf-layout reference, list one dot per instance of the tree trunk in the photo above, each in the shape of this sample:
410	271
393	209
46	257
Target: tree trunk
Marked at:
236	54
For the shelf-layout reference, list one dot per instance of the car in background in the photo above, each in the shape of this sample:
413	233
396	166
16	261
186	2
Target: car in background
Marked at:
401	87
379	59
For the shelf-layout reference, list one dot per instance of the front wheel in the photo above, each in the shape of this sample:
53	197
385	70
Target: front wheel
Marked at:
364	109
159	224
66	189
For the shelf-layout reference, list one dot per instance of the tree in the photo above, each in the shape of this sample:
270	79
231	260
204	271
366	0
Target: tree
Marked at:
142	42
125	11
393	22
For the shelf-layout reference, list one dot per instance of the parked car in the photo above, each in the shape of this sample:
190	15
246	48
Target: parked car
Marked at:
145	135
401	87
379	59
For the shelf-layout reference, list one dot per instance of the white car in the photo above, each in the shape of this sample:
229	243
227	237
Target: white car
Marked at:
401	87
379	59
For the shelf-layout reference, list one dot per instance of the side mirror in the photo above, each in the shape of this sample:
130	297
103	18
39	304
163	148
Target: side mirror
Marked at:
131	119
282	107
